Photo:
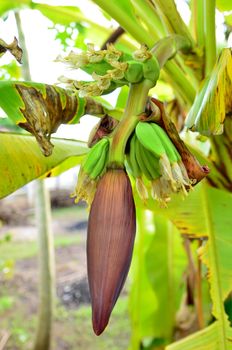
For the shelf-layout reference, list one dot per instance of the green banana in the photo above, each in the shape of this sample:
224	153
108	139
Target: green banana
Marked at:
151	69
150	162
100	68
149	139
101	163
92	167
136	171
133	161
94	155
170	149
134	72
129	165
140	159
179	173
152	142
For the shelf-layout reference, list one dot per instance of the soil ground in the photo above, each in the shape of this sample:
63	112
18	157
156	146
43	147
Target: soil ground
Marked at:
19	285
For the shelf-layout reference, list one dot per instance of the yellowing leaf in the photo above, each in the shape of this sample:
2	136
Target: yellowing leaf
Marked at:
207	213
39	108
206	339
22	161
158	263
214	101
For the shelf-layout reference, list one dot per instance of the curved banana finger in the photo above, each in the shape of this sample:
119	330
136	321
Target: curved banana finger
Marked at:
94	155
133	160
150	161
149	139
170	149
92	167
140	159
101	162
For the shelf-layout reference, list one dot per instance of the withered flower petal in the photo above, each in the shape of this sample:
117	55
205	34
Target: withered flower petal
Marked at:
111	233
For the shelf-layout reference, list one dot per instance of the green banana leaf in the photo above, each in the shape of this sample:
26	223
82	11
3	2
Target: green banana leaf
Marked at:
57	14
224	5
206	213
60	14
206	339
21	160
7	5
159	261
228	19
165	271
142	299
123	13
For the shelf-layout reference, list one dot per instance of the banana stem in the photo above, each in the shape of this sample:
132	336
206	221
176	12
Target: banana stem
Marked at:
172	18
168	47
198	21
135	106
148	13
124	18
165	49
210	39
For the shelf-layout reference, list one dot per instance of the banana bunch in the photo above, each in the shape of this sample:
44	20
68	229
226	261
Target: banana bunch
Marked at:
111	68
153	156
92	168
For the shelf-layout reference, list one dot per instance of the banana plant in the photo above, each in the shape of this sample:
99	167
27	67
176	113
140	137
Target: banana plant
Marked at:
137	162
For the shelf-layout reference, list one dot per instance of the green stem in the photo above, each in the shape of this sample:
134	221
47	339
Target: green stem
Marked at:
190	73
199	22
46	266
168	47
210	38
25	66
135	106
124	18
148	14
45	236
179	79
172	18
